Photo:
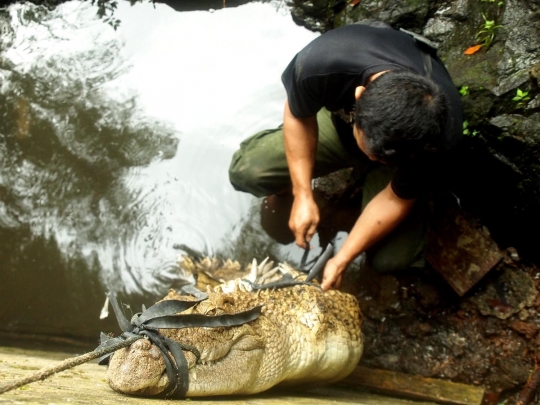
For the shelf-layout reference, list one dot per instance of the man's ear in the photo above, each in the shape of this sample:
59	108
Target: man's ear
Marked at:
358	92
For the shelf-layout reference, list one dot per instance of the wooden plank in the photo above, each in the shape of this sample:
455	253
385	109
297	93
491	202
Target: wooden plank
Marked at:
86	385
414	387
460	250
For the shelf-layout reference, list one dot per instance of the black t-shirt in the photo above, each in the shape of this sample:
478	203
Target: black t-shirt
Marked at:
327	71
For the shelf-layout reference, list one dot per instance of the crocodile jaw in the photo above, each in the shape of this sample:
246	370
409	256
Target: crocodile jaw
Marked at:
137	370
238	372
140	370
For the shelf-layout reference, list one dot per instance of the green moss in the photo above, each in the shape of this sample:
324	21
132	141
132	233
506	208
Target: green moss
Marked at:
478	70
477	105
417	4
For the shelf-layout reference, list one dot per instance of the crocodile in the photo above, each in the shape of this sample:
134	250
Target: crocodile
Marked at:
302	336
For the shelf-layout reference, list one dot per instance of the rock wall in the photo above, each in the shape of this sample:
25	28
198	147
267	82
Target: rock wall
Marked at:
414	322
498	178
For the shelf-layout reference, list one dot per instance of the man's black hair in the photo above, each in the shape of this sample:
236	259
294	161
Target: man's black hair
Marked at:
402	115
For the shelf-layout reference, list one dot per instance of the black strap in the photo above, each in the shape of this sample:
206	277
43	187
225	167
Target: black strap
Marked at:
305	255
288	281
321	262
192	290
203	321
161	308
177	371
285	281
422	39
164	315
426	46
374	23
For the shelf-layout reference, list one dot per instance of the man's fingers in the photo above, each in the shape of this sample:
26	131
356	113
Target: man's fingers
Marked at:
332	276
303	220
337	283
301	241
304	235
300	237
331	284
310	232
328	285
327	281
325	285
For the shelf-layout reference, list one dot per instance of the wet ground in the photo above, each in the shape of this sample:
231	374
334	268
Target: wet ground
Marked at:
86	384
415	323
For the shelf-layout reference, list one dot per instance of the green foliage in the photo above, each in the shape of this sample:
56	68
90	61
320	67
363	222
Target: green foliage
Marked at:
499	4
464	91
467	131
106	11
521	96
487	32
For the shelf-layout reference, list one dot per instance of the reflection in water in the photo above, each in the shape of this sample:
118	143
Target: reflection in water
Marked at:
72	143
114	148
44	291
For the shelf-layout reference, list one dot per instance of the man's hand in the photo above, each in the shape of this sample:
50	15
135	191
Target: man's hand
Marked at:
333	274
380	217
300	137
304	219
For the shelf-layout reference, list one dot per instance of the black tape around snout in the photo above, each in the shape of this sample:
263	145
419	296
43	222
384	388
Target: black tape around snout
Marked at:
163	315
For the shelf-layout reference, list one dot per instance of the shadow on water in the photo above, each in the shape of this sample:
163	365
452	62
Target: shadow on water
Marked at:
43	292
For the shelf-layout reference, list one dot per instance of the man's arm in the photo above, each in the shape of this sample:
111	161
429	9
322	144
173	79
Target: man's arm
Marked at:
300	136
380	216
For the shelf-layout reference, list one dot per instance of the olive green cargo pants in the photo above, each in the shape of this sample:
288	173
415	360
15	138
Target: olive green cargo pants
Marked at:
260	167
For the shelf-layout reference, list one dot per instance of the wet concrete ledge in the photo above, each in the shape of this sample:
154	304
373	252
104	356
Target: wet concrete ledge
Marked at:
86	384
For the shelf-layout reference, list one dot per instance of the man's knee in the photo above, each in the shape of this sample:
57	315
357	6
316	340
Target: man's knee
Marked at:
403	249
242	176
257	178
390	264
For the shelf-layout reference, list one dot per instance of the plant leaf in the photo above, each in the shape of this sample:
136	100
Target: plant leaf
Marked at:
473	49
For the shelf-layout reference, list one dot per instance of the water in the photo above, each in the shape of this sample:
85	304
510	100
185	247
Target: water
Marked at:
115	146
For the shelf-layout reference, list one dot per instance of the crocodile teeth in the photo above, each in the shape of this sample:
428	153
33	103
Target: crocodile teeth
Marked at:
265	267
268	274
260	267
253	272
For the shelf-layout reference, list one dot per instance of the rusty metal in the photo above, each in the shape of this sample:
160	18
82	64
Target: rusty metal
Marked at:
461	250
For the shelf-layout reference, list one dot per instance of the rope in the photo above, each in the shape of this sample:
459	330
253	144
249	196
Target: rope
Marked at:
67	364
